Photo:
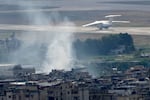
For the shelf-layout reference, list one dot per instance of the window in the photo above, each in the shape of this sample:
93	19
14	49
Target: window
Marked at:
9	96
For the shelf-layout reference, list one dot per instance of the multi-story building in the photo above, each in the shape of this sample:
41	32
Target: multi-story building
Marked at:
111	87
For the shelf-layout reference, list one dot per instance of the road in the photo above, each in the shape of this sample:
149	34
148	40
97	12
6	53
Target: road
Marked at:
116	30
77	29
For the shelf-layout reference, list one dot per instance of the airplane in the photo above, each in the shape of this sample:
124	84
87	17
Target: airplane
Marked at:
105	24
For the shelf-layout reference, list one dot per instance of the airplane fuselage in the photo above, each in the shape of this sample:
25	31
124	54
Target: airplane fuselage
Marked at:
105	25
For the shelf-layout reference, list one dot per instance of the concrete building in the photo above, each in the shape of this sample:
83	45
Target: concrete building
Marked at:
68	91
42	87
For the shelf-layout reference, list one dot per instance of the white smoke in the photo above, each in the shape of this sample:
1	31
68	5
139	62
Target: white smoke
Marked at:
59	39
59	55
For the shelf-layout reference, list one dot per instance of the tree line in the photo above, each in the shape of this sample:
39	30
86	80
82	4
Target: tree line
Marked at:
104	46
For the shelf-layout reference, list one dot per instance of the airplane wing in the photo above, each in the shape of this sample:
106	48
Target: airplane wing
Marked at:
120	21
94	23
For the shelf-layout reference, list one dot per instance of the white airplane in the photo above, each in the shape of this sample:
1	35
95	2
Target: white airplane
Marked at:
105	24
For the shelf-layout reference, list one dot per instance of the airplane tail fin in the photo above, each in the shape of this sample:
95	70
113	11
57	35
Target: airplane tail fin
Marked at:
111	17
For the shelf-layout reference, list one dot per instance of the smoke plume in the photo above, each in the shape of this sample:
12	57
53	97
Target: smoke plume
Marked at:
58	39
